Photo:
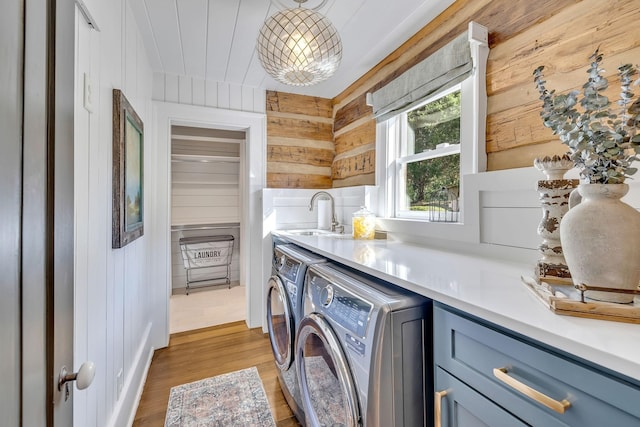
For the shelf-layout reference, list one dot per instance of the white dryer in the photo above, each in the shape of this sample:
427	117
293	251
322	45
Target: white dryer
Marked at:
284	312
362	352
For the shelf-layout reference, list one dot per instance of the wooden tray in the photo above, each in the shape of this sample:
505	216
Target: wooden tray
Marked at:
565	299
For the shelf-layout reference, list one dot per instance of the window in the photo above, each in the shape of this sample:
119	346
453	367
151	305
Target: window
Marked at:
428	160
431	131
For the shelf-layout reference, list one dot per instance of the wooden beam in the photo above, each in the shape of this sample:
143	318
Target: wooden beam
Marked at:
299	142
359	164
351	112
306	129
563	50
367	179
296	116
299	155
294	180
520	157
362	135
299	104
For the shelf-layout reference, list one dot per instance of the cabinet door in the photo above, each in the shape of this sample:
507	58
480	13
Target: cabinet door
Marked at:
462	406
539	385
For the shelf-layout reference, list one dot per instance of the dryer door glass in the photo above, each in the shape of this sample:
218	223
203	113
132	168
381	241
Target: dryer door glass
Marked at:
279	323
326	384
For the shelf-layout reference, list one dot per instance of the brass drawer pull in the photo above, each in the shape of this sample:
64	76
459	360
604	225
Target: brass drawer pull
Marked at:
543	399
438	407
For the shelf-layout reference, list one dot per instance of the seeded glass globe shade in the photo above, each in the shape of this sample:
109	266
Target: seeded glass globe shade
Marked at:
299	47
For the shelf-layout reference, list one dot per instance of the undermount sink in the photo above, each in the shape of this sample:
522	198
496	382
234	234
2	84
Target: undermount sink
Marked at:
315	232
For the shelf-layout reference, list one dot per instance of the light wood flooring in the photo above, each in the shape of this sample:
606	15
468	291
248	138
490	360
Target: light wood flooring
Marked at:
206	307
203	353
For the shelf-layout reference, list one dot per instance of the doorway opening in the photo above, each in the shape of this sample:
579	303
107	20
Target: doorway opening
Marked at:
206	218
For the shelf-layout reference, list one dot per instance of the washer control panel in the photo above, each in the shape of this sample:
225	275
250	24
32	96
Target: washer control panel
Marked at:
343	307
326	296
290	269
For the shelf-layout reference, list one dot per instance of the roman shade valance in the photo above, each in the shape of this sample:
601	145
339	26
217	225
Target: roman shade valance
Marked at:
445	68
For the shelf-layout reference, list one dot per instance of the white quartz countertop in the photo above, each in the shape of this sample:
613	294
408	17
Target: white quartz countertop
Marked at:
487	288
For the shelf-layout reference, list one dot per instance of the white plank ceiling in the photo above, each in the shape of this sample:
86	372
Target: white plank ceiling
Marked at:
215	39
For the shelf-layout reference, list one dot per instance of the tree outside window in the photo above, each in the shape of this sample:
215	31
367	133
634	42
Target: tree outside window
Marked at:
433	129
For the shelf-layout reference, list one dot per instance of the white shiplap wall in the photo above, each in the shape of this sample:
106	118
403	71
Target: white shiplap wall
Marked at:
204	201
178	271
115	301
510	208
204	193
208	93
205	176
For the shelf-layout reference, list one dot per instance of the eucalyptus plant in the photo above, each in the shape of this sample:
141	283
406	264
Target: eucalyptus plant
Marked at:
602	144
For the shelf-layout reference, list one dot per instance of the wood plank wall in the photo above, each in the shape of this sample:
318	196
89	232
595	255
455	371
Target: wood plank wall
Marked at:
300	147
522	35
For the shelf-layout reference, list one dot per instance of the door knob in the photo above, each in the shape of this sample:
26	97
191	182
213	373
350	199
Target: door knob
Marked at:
83	378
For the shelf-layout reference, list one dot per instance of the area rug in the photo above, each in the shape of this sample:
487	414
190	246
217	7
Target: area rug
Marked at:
233	399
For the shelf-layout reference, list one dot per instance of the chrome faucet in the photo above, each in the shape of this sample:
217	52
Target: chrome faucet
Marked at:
335	225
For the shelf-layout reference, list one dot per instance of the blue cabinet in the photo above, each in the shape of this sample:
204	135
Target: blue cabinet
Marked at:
461	406
534	384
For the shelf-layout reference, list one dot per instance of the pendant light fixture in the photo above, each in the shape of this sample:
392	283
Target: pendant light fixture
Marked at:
299	47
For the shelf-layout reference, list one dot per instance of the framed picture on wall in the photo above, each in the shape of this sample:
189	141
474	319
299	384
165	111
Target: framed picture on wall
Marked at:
128	155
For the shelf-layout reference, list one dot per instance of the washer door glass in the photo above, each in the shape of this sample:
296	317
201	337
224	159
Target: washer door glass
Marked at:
279	323
326	384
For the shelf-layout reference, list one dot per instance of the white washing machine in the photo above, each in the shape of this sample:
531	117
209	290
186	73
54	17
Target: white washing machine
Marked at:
284	312
362	352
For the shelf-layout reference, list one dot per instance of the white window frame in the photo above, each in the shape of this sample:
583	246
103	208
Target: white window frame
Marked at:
473	160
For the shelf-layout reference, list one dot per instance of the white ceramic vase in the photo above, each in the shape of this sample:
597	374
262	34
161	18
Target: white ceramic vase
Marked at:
600	238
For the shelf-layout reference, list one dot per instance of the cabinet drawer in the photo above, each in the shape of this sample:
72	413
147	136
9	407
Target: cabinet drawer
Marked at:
472	351
462	406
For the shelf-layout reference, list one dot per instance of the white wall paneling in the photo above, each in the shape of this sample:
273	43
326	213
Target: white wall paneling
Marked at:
199	91
81	189
211	93
178	271
289	208
235	97
259	100
223	173
247	98
510	208
196	91
171	88
158	86
185	90
224	96
112	287
205	195
510	218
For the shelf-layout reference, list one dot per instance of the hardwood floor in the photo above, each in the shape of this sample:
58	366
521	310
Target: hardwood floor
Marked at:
203	353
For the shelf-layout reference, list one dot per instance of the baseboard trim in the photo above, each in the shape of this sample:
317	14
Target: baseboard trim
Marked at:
125	409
